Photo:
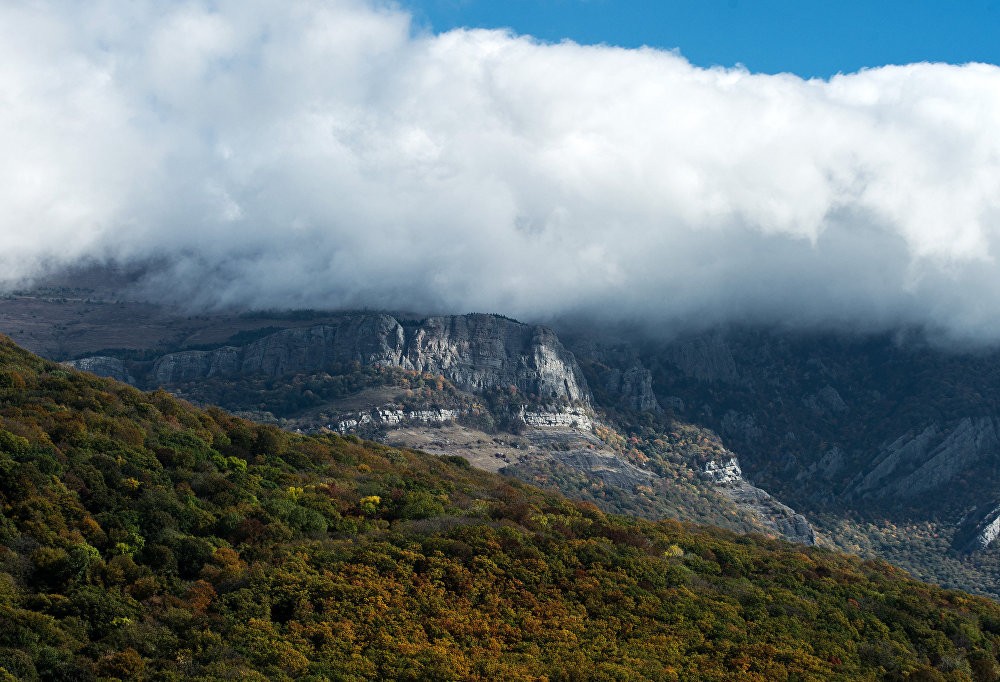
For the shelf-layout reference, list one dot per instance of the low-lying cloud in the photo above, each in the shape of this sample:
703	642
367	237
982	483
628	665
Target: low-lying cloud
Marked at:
328	155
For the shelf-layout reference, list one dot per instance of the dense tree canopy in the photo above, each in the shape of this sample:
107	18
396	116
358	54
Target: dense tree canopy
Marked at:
142	538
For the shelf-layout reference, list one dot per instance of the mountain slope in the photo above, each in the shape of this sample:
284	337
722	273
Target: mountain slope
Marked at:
472	385
887	444
884	445
145	539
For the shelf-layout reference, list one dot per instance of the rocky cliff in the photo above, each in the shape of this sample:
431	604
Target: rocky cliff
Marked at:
772	515
475	352
103	366
617	375
985	529
915	464
374	339
485	351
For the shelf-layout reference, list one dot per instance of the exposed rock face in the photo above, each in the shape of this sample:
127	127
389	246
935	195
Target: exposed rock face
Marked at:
915	464
610	469
618	371
103	366
573	418
196	364
986	532
726	472
484	351
771	514
388	417
475	352
779	518
367	339
705	358
634	386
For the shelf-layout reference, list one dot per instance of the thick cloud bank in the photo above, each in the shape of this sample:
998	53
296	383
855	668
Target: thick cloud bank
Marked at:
326	155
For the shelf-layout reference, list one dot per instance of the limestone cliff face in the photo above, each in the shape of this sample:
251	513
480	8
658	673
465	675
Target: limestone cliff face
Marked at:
772	515
634	386
367	339
475	352
985	532
196	364
705	358
916	464
618	372
103	366
483	351
391	417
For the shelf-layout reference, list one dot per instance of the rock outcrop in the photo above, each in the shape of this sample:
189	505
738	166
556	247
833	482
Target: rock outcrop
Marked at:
705	358
177	368
773	516
374	339
390	417
984	533
103	366
475	352
634	388
915	464
780	519
726	472
608	468
571	417
485	351
618	372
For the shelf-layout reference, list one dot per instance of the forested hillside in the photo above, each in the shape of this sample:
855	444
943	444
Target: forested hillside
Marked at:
142	538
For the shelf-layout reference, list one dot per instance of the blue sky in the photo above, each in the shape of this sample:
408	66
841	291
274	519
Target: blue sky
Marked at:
808	37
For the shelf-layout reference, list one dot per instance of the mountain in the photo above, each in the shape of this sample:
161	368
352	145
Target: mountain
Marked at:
473	351
505	395
881	445
887	443
144	538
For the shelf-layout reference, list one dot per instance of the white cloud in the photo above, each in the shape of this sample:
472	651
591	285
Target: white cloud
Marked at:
323	154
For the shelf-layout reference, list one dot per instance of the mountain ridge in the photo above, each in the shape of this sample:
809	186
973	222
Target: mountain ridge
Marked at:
517	374
811	416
